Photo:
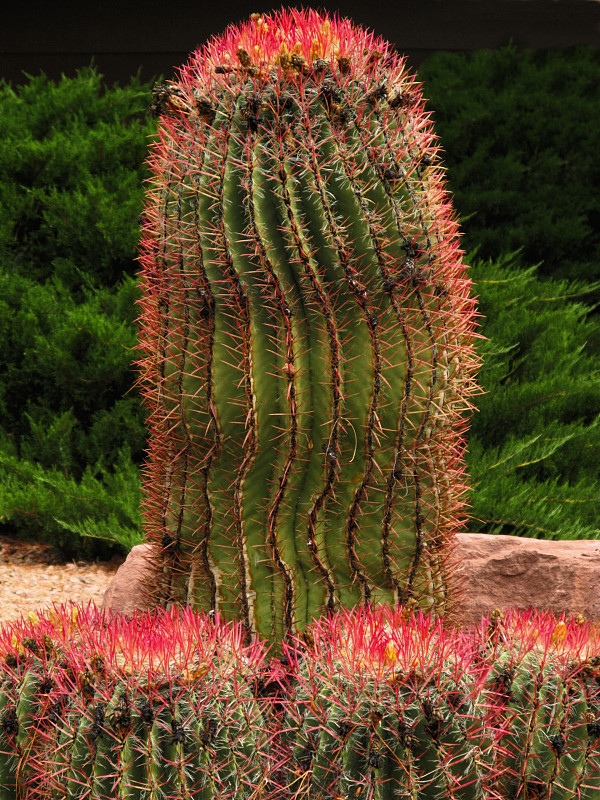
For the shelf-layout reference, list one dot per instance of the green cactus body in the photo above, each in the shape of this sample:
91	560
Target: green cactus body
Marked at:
136	750
169	750
247	718
26	729
586	731
107	748
8	731
75	753
355	779
164	750
139	756
27	706
202	728
543	703
307	328
329	759
31	717
461	764
568	742
399	778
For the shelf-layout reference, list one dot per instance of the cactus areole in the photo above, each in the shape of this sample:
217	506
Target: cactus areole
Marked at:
307	330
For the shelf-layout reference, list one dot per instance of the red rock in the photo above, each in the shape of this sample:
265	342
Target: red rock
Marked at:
498	572
124	592
501	572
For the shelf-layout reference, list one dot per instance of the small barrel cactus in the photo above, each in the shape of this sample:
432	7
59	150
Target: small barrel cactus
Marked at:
388	705
103	707
544	676
307	331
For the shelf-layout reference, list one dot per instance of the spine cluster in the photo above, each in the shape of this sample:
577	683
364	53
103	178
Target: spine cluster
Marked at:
382	704
307	327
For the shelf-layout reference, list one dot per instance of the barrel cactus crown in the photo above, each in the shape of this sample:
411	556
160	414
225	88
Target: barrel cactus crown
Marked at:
307	330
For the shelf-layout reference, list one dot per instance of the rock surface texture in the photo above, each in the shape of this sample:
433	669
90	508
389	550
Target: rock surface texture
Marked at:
124	593
499	572
515	572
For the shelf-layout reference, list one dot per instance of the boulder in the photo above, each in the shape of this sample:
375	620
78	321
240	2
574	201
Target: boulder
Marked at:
124	592
496	572
501	572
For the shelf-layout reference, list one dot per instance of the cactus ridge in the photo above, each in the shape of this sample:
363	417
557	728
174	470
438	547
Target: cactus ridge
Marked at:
307	331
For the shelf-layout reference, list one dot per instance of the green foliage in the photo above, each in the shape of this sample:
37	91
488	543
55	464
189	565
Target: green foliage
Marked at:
94	516
71	174
68	413
71	170
534	445
519	134
65	402
517	128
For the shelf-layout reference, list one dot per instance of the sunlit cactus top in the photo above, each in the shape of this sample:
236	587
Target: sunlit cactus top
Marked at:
387	645
307	331
294	43
542	634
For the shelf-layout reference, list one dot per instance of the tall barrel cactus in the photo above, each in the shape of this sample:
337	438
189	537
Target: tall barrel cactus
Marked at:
307	330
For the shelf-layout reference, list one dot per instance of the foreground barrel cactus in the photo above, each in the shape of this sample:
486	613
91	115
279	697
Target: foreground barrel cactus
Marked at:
388	705
307	330
371	703
93	706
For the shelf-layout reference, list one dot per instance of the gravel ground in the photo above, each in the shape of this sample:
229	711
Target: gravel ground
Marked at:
33	577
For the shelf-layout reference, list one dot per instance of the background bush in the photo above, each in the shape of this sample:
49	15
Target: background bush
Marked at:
517	128
534	443
71	181
520	133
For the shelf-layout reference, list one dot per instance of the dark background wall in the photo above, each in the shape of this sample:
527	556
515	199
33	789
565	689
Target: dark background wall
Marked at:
59	37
